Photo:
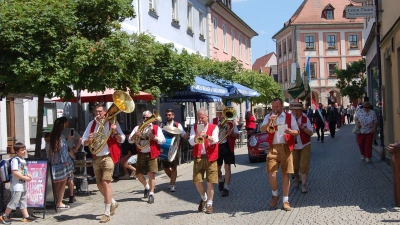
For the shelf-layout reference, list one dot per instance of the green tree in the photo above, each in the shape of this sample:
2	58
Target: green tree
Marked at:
262	83
50	47
352	81
34	34
220	72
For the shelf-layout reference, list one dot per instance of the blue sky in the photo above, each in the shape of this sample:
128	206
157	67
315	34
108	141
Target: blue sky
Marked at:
266	17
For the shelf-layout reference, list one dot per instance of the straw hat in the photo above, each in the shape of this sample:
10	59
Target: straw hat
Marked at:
220	107
295	105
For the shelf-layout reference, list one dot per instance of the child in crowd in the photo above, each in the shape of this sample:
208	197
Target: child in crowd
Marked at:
18	188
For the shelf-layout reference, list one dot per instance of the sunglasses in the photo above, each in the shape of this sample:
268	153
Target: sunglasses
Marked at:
145	117
168	114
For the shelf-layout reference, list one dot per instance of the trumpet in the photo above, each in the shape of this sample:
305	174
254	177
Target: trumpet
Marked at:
271	125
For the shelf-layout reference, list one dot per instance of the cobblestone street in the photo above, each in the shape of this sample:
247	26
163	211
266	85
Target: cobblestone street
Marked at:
341	190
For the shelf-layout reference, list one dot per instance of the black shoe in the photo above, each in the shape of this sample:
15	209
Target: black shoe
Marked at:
151	199
322	141
375	143
318	139
146	193
225	192
221	185
72	199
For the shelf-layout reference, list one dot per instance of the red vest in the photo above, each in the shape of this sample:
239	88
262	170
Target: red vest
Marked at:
289	138
230	139
154	146
112	143
303	136
211	150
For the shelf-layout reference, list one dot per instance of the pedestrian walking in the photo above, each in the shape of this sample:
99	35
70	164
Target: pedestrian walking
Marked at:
106	158
204	139
149	136
170	168
283	128
302	148
19	176
366	121
320	118
226	153
332	117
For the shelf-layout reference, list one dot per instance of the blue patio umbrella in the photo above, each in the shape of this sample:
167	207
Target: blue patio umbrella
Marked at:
203	87
239	91
192	98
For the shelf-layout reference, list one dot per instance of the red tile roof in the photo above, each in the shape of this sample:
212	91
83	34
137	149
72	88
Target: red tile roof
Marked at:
262	61
312	12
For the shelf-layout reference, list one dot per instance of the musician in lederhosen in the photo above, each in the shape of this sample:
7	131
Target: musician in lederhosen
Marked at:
103	164
205	153
226	148
170	168
150	137
282	129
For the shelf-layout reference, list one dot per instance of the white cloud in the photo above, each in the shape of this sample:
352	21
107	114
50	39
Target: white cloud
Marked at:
239	0
262	32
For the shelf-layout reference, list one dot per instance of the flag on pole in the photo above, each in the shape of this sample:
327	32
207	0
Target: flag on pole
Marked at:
307	79
308	68
299	88
314	105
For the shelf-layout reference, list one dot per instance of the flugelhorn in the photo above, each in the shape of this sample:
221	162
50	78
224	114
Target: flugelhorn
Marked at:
271	125
198	139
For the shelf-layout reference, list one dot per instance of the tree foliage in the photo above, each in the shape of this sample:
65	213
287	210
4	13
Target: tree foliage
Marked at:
352	81
49	48
221	72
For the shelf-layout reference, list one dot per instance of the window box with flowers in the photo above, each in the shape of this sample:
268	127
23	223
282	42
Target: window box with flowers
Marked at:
175	23
189	31
332	47
310	48
353	46
153	13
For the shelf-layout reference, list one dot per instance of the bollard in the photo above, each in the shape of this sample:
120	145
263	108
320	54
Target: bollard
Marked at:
394	150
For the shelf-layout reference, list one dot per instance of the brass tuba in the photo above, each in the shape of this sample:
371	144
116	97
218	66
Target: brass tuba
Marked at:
122	103
229	113
271	125
145	129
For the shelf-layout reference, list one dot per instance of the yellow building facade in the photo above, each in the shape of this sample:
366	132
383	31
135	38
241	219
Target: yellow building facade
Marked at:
390	69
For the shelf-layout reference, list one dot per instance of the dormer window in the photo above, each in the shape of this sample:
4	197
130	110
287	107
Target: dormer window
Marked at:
328	12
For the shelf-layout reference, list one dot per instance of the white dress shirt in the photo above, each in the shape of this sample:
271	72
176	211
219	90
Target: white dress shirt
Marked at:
160	138
104	150
280	121
235	130
214	136
308	125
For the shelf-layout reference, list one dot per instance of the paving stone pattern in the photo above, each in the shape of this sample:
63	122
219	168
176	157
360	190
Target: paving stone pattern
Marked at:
341	190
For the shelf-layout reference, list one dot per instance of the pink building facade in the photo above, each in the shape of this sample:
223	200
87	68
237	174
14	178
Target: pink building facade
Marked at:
229	36
328	38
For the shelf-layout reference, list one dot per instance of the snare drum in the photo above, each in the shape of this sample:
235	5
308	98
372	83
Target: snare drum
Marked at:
169	148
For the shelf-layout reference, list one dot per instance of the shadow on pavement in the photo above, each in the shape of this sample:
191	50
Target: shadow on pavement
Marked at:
337	178
62	218
176	213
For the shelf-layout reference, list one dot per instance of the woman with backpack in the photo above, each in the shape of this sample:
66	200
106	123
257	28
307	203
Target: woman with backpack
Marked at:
61	163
